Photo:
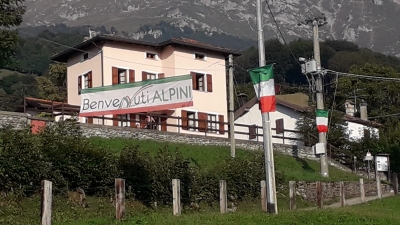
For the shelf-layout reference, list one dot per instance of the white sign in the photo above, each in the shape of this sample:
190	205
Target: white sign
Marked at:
382	163
144	96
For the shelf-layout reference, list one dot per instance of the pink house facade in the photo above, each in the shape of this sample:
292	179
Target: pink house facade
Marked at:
109	60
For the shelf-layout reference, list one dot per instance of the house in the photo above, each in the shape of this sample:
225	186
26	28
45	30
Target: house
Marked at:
289	108
283	121
359	127
109	60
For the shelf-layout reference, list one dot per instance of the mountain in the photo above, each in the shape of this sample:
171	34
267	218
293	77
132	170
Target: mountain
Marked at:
369	23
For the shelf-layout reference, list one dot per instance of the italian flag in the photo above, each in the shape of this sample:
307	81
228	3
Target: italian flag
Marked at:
322	121
263	81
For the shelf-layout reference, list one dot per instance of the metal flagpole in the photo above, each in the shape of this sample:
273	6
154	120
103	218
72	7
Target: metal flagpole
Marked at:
268	151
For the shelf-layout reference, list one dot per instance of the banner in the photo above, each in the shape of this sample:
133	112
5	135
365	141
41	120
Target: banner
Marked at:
144	96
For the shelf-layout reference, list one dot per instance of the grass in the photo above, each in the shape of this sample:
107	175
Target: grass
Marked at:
101	212
208	156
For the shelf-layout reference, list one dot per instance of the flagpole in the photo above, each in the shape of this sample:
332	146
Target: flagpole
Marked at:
272	206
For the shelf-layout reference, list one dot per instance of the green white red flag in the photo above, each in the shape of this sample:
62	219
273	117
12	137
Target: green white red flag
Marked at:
264	86
322	121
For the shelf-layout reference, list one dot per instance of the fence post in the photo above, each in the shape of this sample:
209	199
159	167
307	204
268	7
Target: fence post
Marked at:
263	195
342	194
179	124
320	200
46	201
395	181
292	195
119	198
223	203
176	195
362	191
378	186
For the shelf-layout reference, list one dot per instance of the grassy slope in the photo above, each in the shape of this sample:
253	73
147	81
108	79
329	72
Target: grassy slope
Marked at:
208	156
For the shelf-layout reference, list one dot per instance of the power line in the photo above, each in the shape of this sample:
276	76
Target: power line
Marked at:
284	40
364	76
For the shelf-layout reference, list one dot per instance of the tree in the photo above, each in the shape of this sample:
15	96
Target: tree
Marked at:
11	12
53	86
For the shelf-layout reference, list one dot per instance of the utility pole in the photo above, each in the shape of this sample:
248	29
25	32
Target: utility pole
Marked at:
272	206
316	23
231	108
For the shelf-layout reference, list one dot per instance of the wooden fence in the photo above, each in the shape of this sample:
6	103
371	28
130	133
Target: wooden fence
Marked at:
200	126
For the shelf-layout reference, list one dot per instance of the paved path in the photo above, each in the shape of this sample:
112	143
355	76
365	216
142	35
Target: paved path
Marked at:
351	201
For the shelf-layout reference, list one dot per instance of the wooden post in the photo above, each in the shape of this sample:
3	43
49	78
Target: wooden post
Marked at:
263	196
362	191
292	195
320	201
176	195
378	186
342	194
223	203
47	195
395	181
119	198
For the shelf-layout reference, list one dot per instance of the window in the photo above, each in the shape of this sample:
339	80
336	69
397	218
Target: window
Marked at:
280	129
150	55
85	56
199	56
191	116
367	133
86	79
202	82
123	120
122	76
252	132
151	76
212	123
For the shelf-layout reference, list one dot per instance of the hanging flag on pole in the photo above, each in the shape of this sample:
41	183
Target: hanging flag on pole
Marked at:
322	121
264	86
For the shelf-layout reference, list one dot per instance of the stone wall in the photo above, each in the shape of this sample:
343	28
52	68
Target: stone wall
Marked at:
331	190
92	130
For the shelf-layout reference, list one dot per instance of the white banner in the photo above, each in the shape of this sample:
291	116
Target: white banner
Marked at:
144	96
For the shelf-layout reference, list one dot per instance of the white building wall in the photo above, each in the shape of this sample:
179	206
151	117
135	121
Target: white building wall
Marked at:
289	117
356	131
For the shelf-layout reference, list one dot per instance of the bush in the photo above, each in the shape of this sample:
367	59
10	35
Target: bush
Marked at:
61	153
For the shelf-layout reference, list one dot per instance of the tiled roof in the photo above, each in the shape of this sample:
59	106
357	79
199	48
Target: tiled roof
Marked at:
63	56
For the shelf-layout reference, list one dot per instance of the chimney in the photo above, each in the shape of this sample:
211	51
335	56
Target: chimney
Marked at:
363	111
349	108
242	99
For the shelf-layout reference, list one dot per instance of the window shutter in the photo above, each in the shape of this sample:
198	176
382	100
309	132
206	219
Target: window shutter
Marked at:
280	129
367	133
144	75
252	132
79	84
194	83
132	119
221	124
184	119
161	75
115	120
90	84
163	124
202	121
115	79
90	120
131	76
209	83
